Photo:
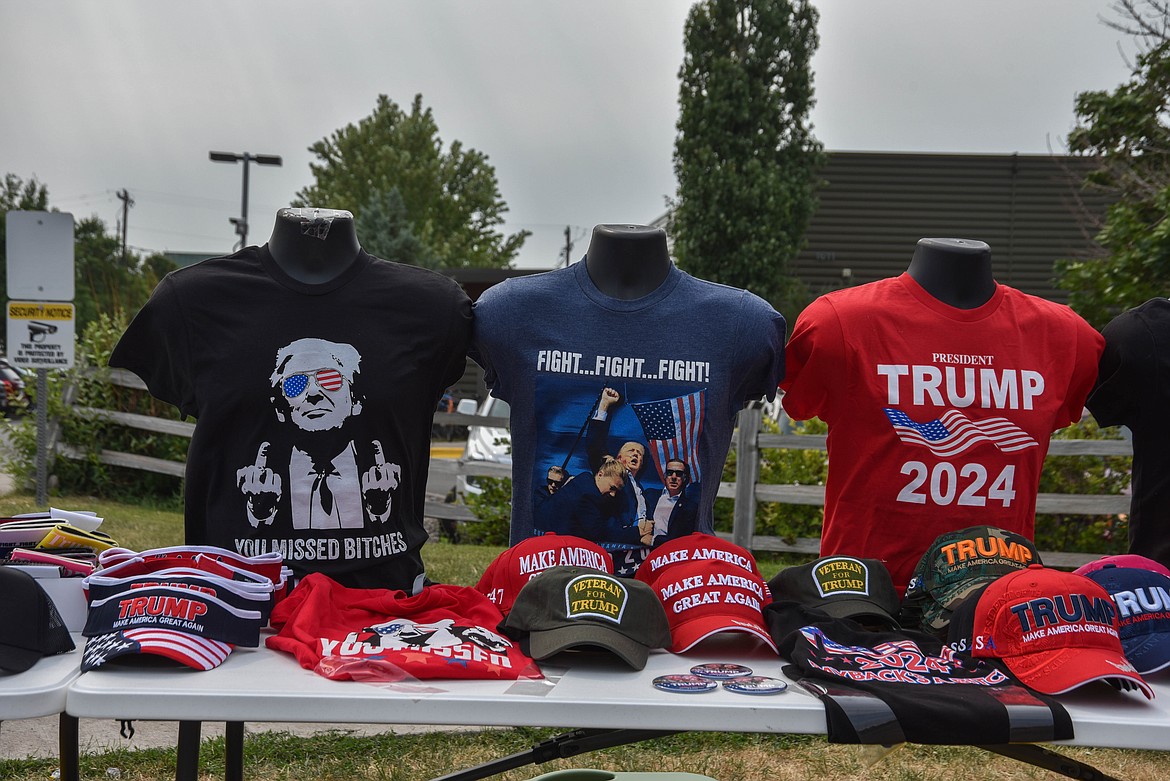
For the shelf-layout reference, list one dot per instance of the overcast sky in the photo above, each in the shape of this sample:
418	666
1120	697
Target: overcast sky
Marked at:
573	101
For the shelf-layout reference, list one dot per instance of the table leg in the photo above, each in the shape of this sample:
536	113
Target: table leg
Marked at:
1049	760
234	751
187	764
68	750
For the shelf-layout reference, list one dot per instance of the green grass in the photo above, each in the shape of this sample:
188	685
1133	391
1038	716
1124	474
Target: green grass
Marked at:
336	755
276	756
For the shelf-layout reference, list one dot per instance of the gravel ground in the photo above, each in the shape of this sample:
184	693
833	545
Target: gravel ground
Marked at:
38	737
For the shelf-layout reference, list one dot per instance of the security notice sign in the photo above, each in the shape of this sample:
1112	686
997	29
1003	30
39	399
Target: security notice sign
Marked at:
40	334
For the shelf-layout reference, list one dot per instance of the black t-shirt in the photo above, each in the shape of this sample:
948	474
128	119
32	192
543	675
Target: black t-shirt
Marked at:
1133	389
893	687
313	406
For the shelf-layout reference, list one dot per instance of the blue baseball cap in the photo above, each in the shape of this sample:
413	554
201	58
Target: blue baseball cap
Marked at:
1142	597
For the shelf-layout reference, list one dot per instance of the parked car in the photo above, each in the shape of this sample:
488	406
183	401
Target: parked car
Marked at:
13	397
484	443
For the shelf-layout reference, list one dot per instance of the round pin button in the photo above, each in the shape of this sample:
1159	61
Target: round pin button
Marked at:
721	671
756	684
684	683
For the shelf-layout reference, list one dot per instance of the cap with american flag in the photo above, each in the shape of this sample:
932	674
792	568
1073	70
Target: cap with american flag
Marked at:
191	650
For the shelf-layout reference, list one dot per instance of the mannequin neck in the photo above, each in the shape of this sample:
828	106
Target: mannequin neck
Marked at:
313	246
955	271
627	261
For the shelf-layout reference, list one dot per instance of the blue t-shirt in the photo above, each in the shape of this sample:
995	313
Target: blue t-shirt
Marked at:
680	362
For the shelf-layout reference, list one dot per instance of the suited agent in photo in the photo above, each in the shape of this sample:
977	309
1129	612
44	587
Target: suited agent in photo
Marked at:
675	513
555	478
633	508
586	505
322	477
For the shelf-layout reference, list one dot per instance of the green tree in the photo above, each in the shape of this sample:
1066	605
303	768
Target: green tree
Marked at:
745	156
385	231
1126	131
106	280
451	197
19	195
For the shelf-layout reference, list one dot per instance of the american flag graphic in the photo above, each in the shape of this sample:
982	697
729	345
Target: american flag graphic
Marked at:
327	379
953	432
672	428
191	650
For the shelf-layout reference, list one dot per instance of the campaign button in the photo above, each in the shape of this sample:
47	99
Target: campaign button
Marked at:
757	684
721	671
684	683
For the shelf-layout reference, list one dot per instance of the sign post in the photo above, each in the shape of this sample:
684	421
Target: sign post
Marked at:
40	309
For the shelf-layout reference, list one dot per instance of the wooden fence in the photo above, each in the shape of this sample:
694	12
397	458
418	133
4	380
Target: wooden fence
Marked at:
750	439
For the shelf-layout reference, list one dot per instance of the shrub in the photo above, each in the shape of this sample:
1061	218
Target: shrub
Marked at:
1105	534
86	386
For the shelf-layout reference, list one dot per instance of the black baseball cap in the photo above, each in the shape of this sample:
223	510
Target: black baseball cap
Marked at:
842	587
32	628
578	607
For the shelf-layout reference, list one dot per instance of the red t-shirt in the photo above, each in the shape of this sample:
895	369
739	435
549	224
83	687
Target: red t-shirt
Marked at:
378	634
939	418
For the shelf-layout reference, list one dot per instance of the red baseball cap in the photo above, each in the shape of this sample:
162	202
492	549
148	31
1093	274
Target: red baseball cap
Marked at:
705	597
696	546
507	574
1054	630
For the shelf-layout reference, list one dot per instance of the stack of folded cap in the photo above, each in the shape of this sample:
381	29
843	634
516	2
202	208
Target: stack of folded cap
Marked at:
578	608
189	605
269	566
707	586
956	565
1142	597
32	628
1053	630
840	587
511	570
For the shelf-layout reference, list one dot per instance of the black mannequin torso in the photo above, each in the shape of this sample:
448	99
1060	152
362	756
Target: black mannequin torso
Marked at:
627	261
955	271
313	246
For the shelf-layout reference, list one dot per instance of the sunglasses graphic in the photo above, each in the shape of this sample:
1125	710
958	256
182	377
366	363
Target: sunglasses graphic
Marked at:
296	385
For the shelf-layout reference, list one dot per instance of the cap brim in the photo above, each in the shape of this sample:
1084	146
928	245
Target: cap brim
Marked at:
544	643
1148	653
1056	672
686	635
196	652
858	609
17	660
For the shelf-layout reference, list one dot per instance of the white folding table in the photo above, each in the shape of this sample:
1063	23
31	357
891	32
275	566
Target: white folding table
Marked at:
597	693
41	691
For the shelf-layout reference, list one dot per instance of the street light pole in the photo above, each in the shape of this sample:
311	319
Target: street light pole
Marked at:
241	222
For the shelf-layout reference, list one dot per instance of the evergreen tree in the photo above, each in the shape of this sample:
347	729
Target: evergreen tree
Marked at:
452	197
385	231
745	156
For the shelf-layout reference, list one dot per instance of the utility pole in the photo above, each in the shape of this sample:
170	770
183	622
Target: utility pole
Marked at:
568	246
127	202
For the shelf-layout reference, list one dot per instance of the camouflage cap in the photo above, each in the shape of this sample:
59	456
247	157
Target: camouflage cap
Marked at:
957	564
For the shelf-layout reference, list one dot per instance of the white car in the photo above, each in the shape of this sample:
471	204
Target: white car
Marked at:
491	444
